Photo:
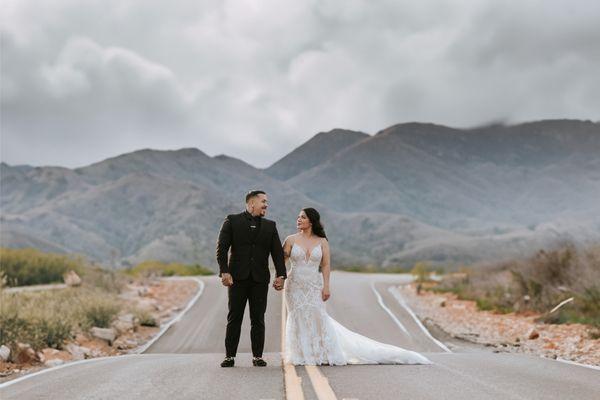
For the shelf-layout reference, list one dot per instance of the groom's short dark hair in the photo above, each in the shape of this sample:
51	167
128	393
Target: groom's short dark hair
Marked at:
253	193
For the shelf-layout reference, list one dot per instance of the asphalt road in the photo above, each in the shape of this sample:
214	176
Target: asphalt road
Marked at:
184	362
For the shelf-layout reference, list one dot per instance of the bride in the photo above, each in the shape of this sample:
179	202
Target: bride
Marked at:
312	337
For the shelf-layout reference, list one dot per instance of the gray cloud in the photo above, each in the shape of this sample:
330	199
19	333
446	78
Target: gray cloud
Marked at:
86	81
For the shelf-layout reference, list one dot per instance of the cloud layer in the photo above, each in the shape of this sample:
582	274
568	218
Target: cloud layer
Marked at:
254	79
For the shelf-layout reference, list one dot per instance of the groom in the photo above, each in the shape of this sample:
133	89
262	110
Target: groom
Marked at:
246	273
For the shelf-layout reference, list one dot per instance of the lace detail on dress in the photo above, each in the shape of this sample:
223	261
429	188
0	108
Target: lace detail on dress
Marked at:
310	339
313	337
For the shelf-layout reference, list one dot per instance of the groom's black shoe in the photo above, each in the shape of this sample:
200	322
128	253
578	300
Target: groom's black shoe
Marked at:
228	362
259	362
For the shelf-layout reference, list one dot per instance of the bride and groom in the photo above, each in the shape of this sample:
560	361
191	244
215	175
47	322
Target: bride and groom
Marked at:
312	337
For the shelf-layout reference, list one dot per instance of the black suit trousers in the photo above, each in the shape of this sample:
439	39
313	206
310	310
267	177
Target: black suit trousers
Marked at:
255	293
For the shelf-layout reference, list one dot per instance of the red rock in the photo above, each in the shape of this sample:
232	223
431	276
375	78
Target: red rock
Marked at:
550	345
533	334
24	354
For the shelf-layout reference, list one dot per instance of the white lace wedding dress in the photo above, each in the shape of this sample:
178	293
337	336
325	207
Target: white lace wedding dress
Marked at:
312	337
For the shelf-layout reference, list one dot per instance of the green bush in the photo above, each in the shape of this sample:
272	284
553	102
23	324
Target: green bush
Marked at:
38	332
106	280
13	328
537	283
54	332
145	318
370	269
30	266
100	313
159	268
48	318
422	271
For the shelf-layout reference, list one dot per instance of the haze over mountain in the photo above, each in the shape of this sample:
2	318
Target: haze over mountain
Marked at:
412	191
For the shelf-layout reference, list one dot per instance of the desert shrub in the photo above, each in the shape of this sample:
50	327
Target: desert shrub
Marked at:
48	318
145	318
106	280
421	271
3	279
370	268
29	266
54	331
99	312
354	268
12	328
537	283
585	309
38	332
159	268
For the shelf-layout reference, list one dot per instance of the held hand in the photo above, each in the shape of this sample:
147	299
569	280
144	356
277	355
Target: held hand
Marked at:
278	283
226	279
325	294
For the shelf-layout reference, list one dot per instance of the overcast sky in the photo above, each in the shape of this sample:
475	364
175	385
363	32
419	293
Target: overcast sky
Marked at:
86	80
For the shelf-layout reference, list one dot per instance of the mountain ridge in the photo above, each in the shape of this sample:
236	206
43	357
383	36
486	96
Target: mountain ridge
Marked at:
412	191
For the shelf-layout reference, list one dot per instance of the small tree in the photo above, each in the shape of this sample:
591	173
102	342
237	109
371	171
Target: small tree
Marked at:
421	271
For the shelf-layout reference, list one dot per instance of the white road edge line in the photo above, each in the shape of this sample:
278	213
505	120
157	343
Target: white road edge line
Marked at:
291	381
575	363
398	296
391	314
394	291
69	364
200	282
90	360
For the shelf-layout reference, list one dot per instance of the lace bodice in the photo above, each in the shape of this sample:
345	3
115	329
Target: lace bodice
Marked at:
298	255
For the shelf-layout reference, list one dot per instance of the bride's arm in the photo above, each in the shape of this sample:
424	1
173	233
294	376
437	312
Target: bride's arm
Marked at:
325	270
287	248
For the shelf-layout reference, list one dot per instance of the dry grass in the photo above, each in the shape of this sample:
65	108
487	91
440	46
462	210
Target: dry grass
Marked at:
159	268
29	266
537	283
47	318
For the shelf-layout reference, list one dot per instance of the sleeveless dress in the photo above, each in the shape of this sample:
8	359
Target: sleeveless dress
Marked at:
312	337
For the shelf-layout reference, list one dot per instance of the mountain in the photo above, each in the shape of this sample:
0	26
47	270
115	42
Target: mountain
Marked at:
523	174
320	147
410	192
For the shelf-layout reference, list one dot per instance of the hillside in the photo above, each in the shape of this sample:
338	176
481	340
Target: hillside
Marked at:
409	192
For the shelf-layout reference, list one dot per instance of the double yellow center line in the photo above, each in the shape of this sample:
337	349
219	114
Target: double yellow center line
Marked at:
292	382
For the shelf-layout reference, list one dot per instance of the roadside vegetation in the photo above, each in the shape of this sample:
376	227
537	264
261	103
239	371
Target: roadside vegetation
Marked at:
49	317
159	268
29	266
562	283
397	269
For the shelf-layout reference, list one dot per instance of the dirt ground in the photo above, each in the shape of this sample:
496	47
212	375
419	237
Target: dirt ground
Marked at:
507	332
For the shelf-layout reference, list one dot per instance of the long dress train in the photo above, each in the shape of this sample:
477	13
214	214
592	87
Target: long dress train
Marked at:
313	337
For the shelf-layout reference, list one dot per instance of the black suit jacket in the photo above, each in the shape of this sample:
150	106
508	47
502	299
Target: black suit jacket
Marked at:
248	257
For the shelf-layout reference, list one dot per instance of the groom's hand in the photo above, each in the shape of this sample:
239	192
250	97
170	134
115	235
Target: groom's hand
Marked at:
278	283
226	279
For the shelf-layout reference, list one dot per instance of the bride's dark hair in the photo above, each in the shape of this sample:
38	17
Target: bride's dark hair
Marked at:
315	219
